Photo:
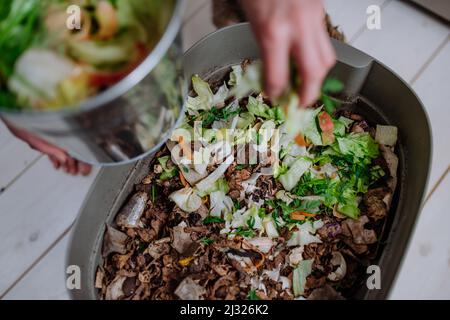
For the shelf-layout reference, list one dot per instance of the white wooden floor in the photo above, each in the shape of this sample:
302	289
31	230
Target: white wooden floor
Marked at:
39	205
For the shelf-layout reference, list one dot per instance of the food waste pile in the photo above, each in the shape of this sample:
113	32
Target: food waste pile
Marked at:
263	200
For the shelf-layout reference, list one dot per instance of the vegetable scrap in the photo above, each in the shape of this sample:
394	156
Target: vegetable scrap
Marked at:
284	203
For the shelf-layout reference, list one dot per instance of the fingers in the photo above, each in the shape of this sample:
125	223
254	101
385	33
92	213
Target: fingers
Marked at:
326	51
275	46
310	68
84	168
56	163
71	166
315	56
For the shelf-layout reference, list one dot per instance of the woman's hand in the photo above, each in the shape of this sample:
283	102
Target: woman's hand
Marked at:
292	28
59	157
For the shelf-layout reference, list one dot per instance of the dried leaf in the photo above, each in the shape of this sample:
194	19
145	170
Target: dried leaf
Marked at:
114	290
114	241
188	289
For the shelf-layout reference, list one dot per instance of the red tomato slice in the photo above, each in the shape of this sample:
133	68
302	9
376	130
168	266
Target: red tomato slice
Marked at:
327	127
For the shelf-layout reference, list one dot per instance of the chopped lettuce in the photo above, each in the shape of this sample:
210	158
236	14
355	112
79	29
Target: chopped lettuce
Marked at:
305	235
339	128
258	108
205	99
359	145
290	179
167	173
270	227
386	135
209	181
235	76
304	121
220	203
310	130
247	219
300	274
245	120
220	185
266	133
186	199
246	82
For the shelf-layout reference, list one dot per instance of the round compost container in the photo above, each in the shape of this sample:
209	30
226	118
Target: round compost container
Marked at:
383	98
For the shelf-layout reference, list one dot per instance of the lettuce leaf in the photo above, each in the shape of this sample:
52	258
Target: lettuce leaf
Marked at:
186	199
304	121
167	173
246	82
290	179
300	274
235	76
205	99
220	203
387	135
359	145
259	109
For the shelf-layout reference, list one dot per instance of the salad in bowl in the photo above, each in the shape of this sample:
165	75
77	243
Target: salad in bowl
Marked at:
60	53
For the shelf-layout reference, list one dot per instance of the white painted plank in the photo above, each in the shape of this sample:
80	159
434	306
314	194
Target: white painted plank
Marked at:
425	273
46	281
408	37
350	15
34	212
15	156
198	26
433	89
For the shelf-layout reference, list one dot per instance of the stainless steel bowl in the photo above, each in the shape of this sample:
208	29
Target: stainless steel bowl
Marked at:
128	121
384	99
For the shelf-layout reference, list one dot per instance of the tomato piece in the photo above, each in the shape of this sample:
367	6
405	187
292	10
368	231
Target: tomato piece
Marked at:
327	126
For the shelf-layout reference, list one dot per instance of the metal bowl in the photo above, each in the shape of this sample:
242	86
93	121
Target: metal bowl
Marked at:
128	121
383	99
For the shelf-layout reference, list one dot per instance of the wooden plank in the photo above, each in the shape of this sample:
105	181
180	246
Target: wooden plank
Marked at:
425	273
433	88
408	37
15	157
35	211
47	280
198	26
